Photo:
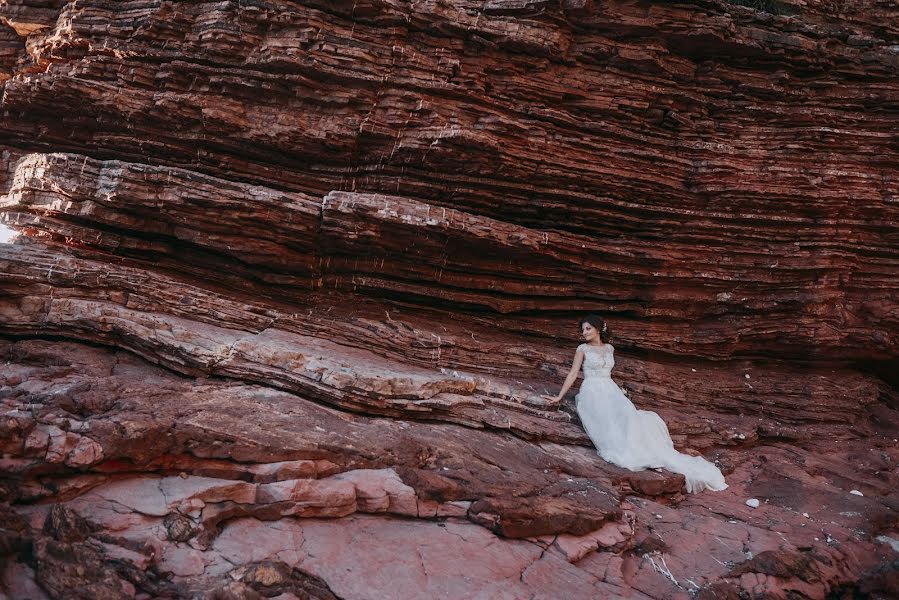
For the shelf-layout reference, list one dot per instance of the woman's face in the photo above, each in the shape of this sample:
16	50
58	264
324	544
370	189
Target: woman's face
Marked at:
589	332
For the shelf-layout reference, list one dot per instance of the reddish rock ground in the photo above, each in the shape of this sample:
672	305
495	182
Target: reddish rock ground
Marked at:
294	276
128	480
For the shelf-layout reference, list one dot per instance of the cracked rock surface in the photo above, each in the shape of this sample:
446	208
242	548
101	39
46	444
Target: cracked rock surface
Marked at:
293	276
190	485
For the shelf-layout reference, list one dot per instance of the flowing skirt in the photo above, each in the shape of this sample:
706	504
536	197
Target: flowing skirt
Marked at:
637	439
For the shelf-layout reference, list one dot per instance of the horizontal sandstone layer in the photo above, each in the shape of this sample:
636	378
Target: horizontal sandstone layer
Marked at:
794	303
357	361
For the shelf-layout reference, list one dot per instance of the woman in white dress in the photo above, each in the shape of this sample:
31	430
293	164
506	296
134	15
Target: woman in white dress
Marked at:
623	435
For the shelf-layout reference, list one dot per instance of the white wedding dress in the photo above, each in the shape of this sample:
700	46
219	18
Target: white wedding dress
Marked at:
631	438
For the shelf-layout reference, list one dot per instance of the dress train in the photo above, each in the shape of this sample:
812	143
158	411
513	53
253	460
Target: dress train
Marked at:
631	438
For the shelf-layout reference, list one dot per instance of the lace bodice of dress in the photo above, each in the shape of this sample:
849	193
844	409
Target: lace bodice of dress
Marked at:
598	361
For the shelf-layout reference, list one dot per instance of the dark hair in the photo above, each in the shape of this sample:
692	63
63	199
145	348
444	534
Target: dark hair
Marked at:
605	334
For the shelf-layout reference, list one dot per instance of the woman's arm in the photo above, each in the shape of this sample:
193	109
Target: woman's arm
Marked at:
572	376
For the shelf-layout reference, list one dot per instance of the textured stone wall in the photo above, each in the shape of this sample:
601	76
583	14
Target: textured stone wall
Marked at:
294	272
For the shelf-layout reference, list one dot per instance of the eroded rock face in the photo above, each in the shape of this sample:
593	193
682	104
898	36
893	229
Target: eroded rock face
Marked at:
199	483
295	275
725	175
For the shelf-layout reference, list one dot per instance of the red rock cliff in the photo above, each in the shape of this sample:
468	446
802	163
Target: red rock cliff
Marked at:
294	275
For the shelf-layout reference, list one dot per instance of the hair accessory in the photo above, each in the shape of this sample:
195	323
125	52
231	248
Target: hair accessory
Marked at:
605	327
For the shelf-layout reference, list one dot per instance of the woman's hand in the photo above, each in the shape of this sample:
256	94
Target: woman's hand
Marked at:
551	399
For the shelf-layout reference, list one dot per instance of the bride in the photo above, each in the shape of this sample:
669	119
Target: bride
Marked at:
623	435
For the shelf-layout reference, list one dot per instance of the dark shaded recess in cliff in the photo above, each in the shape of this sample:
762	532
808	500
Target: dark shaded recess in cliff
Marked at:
773	7
204	156
220	270
888	371
32	357
204	265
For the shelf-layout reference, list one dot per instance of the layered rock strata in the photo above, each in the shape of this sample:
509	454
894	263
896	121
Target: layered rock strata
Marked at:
294	276
733	172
